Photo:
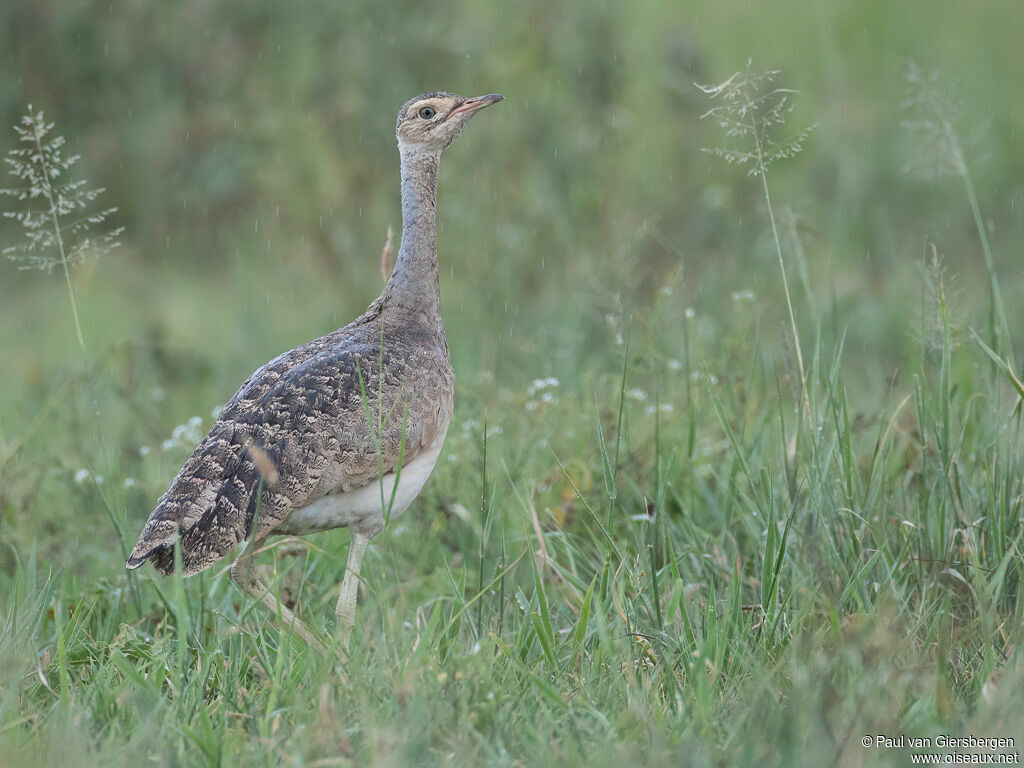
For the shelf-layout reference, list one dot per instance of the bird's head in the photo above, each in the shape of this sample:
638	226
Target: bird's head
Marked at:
432	121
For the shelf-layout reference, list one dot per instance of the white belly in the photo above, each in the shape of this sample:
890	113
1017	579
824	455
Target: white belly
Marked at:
365	504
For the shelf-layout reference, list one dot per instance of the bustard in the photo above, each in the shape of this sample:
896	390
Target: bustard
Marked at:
294	451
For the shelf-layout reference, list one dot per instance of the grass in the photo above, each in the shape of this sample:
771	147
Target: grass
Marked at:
691	510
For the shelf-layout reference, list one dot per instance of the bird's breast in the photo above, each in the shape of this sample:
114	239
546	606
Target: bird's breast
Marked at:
366	505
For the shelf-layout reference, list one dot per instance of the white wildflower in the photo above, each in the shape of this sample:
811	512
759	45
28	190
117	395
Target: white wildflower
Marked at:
650	410
539	385
185	435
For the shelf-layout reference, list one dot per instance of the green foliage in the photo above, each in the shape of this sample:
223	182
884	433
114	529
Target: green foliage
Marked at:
684	515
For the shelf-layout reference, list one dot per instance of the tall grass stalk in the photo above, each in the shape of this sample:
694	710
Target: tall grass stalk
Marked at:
932	109
39	167
48	191
751	108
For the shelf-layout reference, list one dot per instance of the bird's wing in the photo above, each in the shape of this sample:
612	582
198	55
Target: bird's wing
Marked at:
330	420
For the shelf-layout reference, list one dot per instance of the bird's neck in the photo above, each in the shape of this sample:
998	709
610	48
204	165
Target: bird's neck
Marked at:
413	289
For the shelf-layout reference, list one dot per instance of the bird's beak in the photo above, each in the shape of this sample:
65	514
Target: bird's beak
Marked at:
469	106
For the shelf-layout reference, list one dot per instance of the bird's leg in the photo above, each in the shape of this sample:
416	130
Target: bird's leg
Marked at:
244	575
346	608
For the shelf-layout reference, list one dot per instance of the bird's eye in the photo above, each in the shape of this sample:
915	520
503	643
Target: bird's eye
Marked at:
427	112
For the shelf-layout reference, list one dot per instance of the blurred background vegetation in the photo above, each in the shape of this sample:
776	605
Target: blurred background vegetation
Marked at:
249	147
